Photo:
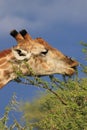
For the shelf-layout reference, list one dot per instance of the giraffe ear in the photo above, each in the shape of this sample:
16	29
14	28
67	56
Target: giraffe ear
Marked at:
21	54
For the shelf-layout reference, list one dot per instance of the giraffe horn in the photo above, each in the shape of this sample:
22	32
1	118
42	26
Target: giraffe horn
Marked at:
16	35
25	34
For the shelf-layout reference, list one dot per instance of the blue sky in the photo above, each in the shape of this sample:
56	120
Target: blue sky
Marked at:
62	23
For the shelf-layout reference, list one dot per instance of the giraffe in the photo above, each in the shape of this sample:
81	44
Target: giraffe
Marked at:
38	54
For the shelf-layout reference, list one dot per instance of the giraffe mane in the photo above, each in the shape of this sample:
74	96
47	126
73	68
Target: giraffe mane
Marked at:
5	53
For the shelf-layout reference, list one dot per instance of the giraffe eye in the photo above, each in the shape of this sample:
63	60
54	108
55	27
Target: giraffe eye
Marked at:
43	53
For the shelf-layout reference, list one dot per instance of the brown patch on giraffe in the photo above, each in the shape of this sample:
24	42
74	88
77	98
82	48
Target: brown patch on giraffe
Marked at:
38	61
45	66
4	65
5	53
31	62
1	85
6	74
2	61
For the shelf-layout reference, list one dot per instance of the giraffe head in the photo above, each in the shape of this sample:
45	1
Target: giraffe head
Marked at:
26	46
41	57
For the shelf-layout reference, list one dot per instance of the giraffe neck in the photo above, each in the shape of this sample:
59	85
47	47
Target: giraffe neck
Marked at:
5	67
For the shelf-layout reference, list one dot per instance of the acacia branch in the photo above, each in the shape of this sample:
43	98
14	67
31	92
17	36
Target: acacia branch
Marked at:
41	84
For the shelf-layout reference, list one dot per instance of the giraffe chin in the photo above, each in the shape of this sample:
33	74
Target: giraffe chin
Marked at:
70	71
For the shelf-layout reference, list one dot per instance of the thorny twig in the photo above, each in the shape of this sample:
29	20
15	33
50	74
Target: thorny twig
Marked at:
37	81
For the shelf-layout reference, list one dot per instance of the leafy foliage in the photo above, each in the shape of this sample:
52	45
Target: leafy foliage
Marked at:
12	106
49	113
85	52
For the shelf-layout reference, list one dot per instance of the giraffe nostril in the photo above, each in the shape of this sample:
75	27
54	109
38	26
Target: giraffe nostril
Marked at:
69	57
70	61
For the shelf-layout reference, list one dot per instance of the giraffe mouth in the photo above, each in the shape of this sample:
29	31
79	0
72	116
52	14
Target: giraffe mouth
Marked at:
71	70
74	67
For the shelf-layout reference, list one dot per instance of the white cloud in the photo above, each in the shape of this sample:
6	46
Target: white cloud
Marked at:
40	14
